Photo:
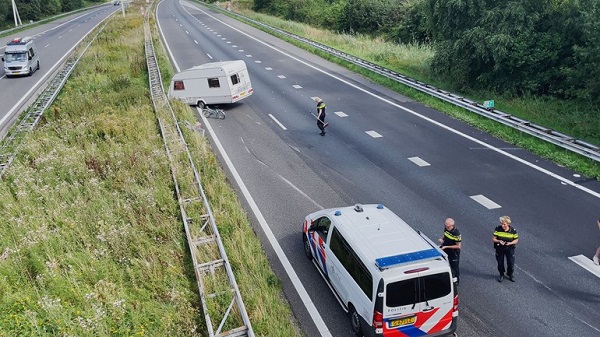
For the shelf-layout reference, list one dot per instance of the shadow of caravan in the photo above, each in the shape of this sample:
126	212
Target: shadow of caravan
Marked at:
212	83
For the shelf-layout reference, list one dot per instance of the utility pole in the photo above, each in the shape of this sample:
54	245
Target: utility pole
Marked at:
16	14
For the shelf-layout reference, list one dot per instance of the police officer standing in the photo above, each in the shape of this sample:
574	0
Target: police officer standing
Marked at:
505	241
450	243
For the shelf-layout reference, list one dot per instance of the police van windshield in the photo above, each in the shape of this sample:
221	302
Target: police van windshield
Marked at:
416	290
12	57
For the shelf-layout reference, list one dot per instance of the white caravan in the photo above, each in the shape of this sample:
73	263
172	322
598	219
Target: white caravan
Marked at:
212	83
21	57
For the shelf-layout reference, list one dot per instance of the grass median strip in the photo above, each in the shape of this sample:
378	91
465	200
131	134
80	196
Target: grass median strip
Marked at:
92	243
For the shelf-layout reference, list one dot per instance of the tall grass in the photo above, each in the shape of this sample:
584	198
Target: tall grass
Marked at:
92	243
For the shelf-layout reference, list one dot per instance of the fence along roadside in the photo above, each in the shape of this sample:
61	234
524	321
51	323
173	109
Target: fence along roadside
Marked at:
216	282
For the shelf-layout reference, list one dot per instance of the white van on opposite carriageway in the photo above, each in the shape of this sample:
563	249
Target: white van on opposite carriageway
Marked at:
21	57
393	280
212	83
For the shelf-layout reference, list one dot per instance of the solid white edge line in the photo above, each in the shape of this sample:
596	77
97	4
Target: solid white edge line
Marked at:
278	122
308	303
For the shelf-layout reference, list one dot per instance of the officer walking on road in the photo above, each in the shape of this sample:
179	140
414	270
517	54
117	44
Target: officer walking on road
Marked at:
505	241
451	244
321	115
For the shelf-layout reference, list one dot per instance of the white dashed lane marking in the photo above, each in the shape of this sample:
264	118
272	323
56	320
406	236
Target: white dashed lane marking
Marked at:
340	114
487	203
278	122
281	76
296	86
586	264
419	161
373	134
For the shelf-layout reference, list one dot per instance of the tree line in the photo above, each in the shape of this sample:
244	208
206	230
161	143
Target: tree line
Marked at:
516	47
35	10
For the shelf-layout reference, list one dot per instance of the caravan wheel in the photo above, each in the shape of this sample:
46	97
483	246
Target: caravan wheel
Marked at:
201	105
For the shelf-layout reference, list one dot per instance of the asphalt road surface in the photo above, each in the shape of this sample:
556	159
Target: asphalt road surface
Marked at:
381	147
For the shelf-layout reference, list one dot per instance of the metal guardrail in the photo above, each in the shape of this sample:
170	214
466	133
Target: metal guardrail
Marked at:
581	147
216	281
10	145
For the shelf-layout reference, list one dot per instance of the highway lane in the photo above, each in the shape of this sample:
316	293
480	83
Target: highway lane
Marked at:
54	40
293	171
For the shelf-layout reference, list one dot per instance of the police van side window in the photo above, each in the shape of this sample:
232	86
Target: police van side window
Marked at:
351	263
31	53
322	227
418	289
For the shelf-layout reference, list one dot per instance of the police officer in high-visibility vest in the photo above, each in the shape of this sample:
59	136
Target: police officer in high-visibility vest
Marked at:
505	241
451	244
321	115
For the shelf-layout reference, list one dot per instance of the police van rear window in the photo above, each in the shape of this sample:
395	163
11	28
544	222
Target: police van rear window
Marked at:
418	289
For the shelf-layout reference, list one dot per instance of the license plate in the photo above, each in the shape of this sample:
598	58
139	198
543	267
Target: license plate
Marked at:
403	321
243	94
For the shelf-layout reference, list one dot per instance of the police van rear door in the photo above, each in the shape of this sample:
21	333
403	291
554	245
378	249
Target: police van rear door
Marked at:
417	305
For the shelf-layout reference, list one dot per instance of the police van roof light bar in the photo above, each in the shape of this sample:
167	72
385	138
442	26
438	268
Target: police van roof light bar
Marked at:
395	260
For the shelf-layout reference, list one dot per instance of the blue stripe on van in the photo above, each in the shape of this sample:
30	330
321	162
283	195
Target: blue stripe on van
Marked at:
386	262
412	331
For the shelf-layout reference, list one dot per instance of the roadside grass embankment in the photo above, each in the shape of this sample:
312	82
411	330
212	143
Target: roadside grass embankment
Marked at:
577	119
92	243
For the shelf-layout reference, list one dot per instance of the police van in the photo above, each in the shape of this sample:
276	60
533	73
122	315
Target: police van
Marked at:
21	57
392	279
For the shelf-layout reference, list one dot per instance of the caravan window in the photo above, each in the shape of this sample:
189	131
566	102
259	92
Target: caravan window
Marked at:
178	85
213	83
235	79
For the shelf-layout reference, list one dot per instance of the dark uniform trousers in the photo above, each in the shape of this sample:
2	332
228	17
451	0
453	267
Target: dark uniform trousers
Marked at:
507	253
454	261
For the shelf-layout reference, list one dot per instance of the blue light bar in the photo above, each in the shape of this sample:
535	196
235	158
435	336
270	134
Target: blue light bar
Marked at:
386	262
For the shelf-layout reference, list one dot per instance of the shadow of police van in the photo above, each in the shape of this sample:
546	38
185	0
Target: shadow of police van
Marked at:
393	280
21	57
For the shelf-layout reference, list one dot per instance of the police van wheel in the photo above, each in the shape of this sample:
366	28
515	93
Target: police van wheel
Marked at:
355	322
307	250
30	71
